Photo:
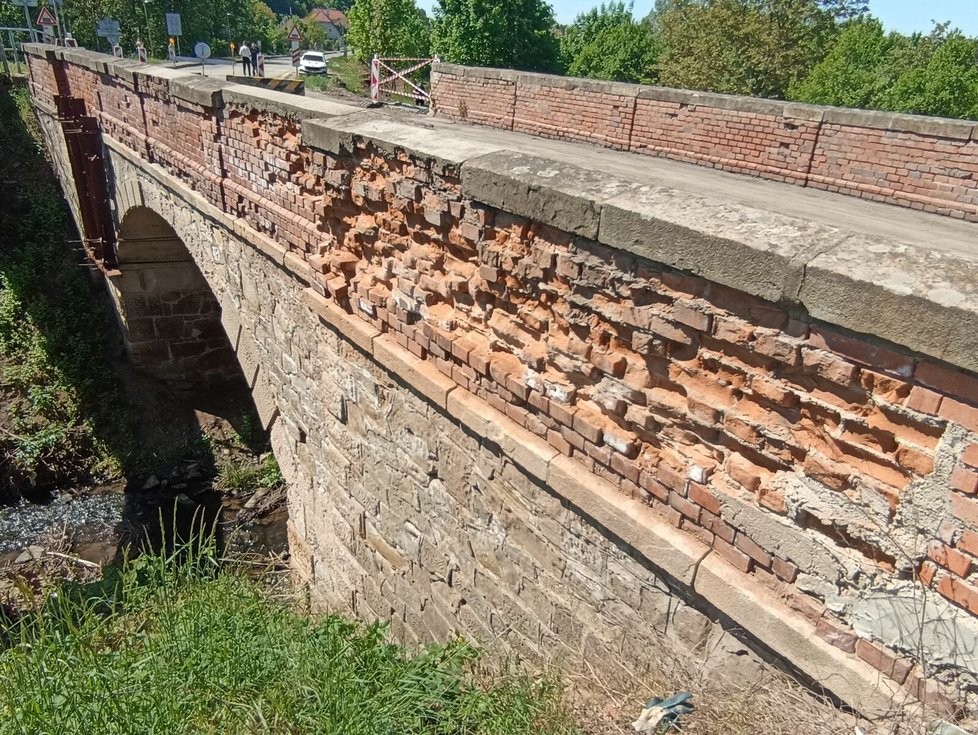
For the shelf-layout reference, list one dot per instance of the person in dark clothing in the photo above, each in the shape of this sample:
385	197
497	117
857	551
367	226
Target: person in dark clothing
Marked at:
254	58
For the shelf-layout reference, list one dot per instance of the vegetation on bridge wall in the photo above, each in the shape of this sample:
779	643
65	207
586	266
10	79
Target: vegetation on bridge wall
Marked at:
57	426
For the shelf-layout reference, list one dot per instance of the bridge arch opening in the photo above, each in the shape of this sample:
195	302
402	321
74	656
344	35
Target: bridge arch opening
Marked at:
170	317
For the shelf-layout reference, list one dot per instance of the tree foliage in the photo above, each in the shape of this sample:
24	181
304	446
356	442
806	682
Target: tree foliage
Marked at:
607	43
514	34
388	28
753	47
935	74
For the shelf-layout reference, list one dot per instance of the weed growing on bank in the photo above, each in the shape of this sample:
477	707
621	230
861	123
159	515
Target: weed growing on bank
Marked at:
162	646
58	425
344	71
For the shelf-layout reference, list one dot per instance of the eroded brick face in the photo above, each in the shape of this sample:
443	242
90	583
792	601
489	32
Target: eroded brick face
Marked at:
725	413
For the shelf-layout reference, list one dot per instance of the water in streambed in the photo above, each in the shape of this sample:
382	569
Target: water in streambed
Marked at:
97	526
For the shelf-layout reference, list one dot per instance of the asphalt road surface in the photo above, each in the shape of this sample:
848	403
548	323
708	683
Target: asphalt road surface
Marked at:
275	66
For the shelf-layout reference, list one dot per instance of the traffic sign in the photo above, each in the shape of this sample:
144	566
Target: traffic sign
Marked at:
45	18
107	28
295	57
25	3
117	50
202	50
294	34
174	25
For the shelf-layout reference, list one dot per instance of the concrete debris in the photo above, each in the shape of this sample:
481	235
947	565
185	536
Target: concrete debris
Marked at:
940	727
662	715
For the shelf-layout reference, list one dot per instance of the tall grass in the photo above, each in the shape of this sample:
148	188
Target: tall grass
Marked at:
163	646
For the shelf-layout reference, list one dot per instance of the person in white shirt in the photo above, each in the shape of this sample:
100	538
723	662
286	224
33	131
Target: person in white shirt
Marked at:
245	52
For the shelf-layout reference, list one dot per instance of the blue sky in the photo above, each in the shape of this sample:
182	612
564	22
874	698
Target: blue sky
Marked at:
905	16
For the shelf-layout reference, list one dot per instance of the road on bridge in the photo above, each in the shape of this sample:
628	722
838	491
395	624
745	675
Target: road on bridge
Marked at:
277	67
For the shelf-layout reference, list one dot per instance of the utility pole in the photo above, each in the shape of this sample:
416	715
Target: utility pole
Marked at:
149	32
227	21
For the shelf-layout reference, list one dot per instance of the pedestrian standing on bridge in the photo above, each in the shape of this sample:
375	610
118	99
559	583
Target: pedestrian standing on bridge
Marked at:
245	52
254	58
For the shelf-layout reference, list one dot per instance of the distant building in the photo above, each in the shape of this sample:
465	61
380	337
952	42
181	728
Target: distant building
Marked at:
333	21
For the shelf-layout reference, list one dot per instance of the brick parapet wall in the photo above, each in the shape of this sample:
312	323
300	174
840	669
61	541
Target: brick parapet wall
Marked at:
788	446
924	163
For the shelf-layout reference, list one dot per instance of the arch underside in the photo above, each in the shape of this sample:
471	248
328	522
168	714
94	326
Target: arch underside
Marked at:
171	319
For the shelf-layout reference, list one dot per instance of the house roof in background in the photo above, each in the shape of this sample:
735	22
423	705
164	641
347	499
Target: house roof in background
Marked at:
329	15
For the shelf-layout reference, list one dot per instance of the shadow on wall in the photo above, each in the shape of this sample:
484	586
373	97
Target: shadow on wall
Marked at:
170	319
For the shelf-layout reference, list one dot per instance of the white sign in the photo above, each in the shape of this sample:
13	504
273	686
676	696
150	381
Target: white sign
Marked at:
202	50
174	27
108	27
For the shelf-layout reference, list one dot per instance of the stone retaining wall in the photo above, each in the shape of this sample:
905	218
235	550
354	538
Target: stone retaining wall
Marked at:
490	379
924	163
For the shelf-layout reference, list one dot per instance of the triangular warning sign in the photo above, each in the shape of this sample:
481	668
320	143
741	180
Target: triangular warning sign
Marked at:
294	34
45	18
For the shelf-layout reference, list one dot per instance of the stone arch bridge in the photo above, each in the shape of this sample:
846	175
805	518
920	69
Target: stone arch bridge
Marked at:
545	383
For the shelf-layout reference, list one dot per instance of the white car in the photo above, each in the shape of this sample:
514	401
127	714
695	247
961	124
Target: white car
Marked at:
312	62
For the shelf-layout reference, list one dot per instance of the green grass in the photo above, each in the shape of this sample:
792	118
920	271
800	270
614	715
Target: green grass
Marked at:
240	477
344	71
169	647
63	426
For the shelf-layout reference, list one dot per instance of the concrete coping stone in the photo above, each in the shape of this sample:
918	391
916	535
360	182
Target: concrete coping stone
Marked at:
475	72
203	91
939	127
420	137
122	68
282	103
555	193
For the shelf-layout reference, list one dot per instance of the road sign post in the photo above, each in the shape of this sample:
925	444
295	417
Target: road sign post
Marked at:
48	23
202	51
117	50
110	30
57	16
140	51
295	35
260	64
27	16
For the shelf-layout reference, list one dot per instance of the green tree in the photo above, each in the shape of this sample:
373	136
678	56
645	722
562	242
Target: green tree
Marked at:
389	28
753	47
587	26
511	34
854	72
945	83
623	52
934	74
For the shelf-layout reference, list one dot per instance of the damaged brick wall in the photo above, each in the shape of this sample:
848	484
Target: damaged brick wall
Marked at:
829	465
923	163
